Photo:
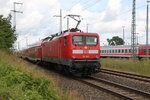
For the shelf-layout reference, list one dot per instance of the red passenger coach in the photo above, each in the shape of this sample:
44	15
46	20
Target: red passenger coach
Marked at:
76	52
144	51
33	52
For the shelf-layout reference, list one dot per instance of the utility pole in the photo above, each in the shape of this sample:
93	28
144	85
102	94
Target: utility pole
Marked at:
137	38
133	31
87	28
18	45
15	11
60	20
27	42
67	23
123	34
147	29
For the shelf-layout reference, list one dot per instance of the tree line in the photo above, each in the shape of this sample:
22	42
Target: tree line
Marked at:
116	40
7	32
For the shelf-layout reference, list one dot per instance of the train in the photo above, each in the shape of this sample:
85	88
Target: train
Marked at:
72	50
124	51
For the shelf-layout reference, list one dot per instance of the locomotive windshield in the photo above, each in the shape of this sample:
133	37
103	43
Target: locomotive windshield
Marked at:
85	40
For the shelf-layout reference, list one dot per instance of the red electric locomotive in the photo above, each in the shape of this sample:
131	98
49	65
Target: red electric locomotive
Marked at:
75	52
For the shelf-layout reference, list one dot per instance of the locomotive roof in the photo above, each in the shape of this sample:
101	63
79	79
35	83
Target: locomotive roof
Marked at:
65	33
55	36
35	44
79	33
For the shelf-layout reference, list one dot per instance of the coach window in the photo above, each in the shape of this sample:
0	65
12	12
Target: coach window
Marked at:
112	51
125	50
129	50
119	51
102	51
65	40
116	51
122	50
144	50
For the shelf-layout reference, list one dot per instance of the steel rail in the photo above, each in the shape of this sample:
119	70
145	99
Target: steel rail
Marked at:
146	94
101	88
127	75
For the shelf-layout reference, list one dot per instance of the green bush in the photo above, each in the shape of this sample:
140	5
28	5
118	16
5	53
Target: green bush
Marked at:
18	85
20	80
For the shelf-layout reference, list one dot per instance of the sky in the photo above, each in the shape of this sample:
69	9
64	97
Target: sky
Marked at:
105	17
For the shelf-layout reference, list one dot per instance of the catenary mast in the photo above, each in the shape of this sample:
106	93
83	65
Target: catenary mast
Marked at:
133	31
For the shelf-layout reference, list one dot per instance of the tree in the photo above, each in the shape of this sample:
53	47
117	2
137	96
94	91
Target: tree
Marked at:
7	36
116	40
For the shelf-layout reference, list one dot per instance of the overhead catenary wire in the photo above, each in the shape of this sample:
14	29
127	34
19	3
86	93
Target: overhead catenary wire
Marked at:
78	2
128	11
75	4
86	4
91	5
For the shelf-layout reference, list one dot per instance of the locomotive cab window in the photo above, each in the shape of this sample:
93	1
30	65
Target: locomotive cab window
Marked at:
85	40
91	40
78	40
65	40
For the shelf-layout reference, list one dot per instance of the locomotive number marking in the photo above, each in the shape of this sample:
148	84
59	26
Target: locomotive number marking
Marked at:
85	51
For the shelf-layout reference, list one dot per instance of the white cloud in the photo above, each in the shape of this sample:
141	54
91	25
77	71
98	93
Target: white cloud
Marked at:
37	19
30	20
112	10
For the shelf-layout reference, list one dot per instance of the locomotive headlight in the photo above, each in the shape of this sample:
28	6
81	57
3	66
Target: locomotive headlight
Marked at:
73	57
97	57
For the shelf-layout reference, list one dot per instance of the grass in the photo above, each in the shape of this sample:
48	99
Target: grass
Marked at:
141	67
20	80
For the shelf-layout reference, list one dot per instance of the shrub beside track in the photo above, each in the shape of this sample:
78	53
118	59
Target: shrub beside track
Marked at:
18	81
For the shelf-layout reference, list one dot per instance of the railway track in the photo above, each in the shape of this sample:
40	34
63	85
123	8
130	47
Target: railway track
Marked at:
116	89
127	75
